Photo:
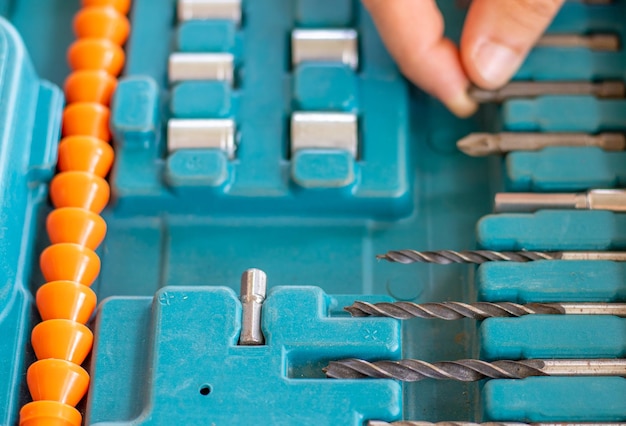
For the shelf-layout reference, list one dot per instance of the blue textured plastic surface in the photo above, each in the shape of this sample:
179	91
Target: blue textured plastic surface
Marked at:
550	336
30	109
557	281
194	218
280	382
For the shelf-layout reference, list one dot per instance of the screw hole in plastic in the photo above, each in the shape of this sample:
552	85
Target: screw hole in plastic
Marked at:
205	390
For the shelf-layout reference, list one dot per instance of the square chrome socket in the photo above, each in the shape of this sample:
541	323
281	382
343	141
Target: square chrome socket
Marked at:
209	9
324	130
333	45
201	66
201	133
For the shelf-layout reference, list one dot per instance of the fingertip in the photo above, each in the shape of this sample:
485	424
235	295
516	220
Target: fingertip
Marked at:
491	64
461	105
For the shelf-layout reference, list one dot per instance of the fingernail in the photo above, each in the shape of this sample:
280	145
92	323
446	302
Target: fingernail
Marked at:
496	63
462	105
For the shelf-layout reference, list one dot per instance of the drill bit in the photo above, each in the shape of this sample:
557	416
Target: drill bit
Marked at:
420	423
480	310
597	199
607	89
446	257
481	144
471	370
253	290
466	3
604	42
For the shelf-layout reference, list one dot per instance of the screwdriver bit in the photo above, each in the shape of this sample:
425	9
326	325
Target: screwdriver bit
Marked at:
604	42
471	370
480	310
481	144
532	89
597	199
419	423
466	3
446	257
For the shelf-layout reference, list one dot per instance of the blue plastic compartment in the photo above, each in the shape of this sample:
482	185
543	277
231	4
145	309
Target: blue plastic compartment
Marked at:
183	226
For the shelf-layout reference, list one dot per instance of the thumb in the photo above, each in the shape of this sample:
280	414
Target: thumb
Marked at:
498	35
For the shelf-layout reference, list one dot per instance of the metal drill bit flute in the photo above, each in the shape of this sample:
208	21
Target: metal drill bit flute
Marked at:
471	370
253	290
446	257
419	423
481	144
480	310
607	89
526	202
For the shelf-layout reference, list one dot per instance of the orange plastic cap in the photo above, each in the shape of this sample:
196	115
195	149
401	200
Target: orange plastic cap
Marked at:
102	22
49	413
122	6
85	154
79	189
57	380
69	262
76	225
96	54
89	86
62	339
86	119
65	300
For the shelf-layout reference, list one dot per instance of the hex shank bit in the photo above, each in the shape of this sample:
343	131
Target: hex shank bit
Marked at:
480	310
446	257
253	291
482	144
604	42
471	370
532	89
452	423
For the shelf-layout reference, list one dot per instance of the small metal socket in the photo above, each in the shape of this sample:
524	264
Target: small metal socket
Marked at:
253	291
201	66
209	9
201	133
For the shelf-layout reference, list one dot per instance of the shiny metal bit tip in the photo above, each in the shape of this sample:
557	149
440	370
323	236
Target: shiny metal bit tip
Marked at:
532	89
253	291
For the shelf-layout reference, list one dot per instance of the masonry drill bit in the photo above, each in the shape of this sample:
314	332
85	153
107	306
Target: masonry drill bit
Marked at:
480	310
446	257
527	202
471	370
419	423
604	42
532	89
481	144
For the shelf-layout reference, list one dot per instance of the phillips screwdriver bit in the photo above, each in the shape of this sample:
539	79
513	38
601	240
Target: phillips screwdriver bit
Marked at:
481	144
446	257
480	310
471	370
604	42
532	89
597	199
419	423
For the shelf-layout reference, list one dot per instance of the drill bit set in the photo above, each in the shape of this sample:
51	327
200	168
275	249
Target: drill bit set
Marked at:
511	349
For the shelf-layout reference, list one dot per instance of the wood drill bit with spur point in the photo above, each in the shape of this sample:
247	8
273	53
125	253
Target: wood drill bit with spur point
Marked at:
446	257
452	423
471	370
482	144
533	89
480	310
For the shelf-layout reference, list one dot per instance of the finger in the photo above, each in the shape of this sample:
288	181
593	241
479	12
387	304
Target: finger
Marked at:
498	35
413	33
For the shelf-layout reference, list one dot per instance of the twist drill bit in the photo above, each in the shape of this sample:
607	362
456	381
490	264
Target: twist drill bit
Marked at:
446	257
419	423
527	202
607	89
482	144
471	370
480	310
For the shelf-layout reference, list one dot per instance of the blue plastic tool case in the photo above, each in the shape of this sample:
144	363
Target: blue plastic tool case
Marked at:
182	227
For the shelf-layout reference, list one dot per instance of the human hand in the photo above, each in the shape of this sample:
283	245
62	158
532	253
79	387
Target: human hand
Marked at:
497	36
